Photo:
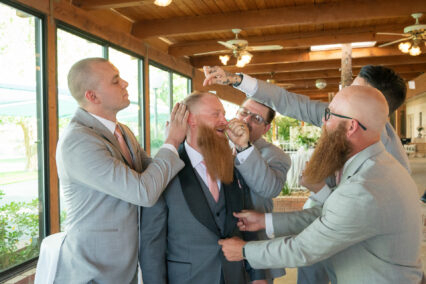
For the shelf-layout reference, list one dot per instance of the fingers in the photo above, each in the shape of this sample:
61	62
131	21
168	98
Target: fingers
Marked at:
242	214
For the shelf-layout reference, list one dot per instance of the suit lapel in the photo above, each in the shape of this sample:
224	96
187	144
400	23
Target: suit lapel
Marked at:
127	137
194	195
235	200
83	117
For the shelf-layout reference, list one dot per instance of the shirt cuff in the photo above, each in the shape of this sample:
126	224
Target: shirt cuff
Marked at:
242	156
248	85
269	226
321	196
170	147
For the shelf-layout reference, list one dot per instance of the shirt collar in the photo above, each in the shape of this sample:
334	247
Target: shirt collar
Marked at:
110	125
194	156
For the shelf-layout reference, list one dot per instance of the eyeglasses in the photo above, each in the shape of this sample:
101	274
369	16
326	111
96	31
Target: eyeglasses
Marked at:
328	113
243	112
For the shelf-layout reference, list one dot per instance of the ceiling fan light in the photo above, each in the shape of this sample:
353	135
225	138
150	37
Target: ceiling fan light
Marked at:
224	59
162	3
415	50
404	46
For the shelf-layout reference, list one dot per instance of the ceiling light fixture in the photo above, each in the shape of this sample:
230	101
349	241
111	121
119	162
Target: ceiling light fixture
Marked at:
162	3
320	83
224	59
244	58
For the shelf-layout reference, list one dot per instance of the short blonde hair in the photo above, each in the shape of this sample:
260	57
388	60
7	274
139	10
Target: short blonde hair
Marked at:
81	77
192	99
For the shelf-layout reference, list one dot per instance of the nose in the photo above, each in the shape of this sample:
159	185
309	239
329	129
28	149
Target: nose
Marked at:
222	119
247	119
124	83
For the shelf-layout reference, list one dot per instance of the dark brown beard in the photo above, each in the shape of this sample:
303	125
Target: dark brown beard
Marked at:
217	154
330	155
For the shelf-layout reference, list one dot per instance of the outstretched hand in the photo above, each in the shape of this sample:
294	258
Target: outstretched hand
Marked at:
250	220
178	125
216	75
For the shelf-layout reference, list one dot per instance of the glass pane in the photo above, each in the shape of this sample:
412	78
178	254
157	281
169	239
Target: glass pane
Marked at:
70	49
180	88
230	109
20	132
159	100
128	67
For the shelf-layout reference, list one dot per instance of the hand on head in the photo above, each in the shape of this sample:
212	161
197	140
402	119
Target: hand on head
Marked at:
216	75
238	132
178	125
232	248
250	220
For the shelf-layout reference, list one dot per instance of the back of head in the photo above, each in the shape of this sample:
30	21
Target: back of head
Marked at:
364	103
386	81
81	78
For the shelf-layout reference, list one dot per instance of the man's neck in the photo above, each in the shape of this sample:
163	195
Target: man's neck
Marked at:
101	113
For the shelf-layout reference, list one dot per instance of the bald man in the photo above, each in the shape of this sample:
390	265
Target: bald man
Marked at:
369	228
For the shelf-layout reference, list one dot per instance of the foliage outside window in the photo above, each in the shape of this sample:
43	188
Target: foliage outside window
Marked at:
21	146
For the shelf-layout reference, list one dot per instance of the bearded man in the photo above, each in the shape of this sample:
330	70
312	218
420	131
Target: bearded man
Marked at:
369	229
179	235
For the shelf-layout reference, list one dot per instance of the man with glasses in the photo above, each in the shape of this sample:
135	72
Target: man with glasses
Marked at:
263	165
369	229
302	108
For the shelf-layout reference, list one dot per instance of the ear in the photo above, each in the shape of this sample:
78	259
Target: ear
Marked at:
192	120
91	96
352	127
267	127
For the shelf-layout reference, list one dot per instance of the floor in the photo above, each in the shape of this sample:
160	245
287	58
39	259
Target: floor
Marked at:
418	169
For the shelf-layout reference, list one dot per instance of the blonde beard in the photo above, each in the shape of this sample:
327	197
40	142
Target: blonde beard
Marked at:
329	156
217	154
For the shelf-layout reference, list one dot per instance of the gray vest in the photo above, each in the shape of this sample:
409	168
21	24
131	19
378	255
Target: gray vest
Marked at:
218	208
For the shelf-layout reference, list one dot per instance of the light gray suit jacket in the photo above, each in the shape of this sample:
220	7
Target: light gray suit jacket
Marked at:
302	108
369	229
265	173
102	195
179	235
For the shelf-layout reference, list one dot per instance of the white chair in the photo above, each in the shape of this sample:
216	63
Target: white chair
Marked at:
48	258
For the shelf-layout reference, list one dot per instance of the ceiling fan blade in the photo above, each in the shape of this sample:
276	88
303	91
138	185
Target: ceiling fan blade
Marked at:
212	52
225	44
393	34
395	41
264	47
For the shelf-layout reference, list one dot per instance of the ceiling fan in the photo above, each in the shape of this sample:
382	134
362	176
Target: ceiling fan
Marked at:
240	49
413	37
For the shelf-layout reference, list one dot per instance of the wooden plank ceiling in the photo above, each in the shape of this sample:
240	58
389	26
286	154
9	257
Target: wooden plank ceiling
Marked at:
191	29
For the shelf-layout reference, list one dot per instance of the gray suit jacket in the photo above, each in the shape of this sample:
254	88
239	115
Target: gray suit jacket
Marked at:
302	108
179	236
369	229
102	195
265	173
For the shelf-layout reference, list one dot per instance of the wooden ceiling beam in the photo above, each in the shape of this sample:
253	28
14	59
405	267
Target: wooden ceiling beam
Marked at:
298	56
318	13
293	40
335	73
326	64
108	4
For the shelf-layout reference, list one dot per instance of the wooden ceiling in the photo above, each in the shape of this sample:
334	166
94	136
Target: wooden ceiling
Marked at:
187	28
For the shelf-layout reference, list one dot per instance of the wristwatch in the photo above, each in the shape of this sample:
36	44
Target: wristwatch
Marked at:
241	149
238	83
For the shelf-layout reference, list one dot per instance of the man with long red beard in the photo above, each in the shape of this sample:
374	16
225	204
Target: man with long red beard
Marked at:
179	235
358	230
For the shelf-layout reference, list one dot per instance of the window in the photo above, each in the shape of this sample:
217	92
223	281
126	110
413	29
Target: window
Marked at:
22	143
70	49
166	89
130	70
